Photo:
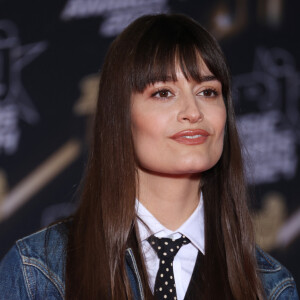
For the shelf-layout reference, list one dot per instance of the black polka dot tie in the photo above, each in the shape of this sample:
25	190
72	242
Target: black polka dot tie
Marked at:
166	249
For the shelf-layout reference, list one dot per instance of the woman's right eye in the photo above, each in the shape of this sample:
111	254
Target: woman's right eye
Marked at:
162	94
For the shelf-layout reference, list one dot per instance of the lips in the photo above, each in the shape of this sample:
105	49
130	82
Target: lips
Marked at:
191	136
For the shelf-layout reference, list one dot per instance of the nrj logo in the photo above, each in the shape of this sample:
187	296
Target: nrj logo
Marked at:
117	14
15	104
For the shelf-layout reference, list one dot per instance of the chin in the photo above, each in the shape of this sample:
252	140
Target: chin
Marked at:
179	167
195	166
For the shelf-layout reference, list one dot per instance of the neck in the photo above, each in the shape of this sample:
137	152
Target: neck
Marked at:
170	198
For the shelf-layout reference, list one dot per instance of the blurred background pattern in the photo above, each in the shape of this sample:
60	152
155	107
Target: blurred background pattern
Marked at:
51	54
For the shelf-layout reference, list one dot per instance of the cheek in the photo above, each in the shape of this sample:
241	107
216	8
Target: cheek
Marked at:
221	136
218	118
148	131
218	121
144	127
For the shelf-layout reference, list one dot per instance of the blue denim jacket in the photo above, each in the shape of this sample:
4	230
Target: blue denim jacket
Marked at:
26	273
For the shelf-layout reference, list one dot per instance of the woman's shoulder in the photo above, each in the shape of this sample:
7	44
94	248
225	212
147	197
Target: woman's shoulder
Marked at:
277	280
50	240
35	264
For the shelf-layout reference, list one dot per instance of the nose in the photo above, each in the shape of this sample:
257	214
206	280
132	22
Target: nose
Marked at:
190	110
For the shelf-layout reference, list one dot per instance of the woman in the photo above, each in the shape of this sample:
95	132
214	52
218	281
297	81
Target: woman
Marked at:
165	163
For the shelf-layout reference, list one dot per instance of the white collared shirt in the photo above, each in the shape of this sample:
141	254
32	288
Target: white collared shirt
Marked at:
185	259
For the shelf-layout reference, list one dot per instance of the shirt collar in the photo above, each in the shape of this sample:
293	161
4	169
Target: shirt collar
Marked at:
192	228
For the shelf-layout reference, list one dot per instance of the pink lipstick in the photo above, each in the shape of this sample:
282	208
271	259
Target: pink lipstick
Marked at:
191	136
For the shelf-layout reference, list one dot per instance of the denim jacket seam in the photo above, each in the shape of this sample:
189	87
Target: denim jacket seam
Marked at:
25	276
268	270
129	251
29	261
27	282
289	282
271	262
53	278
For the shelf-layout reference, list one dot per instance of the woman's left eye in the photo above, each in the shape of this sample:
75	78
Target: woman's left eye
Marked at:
162	94
209	93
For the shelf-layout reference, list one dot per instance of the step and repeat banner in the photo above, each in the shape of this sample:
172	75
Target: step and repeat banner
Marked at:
51	53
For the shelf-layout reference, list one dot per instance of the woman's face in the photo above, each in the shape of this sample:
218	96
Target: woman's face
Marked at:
178	127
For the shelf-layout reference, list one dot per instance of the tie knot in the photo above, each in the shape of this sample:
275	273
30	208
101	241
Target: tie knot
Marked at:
167	248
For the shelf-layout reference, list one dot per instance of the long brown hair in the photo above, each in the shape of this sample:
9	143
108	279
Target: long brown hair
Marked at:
104	225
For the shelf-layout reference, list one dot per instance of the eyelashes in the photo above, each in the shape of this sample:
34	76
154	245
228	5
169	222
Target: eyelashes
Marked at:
210	92
166	93
162	94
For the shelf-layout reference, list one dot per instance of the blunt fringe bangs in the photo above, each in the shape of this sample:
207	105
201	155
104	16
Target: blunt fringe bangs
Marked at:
168	42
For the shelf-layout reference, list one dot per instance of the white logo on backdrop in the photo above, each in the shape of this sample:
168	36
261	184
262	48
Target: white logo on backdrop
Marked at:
117	14
15	104
270	132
